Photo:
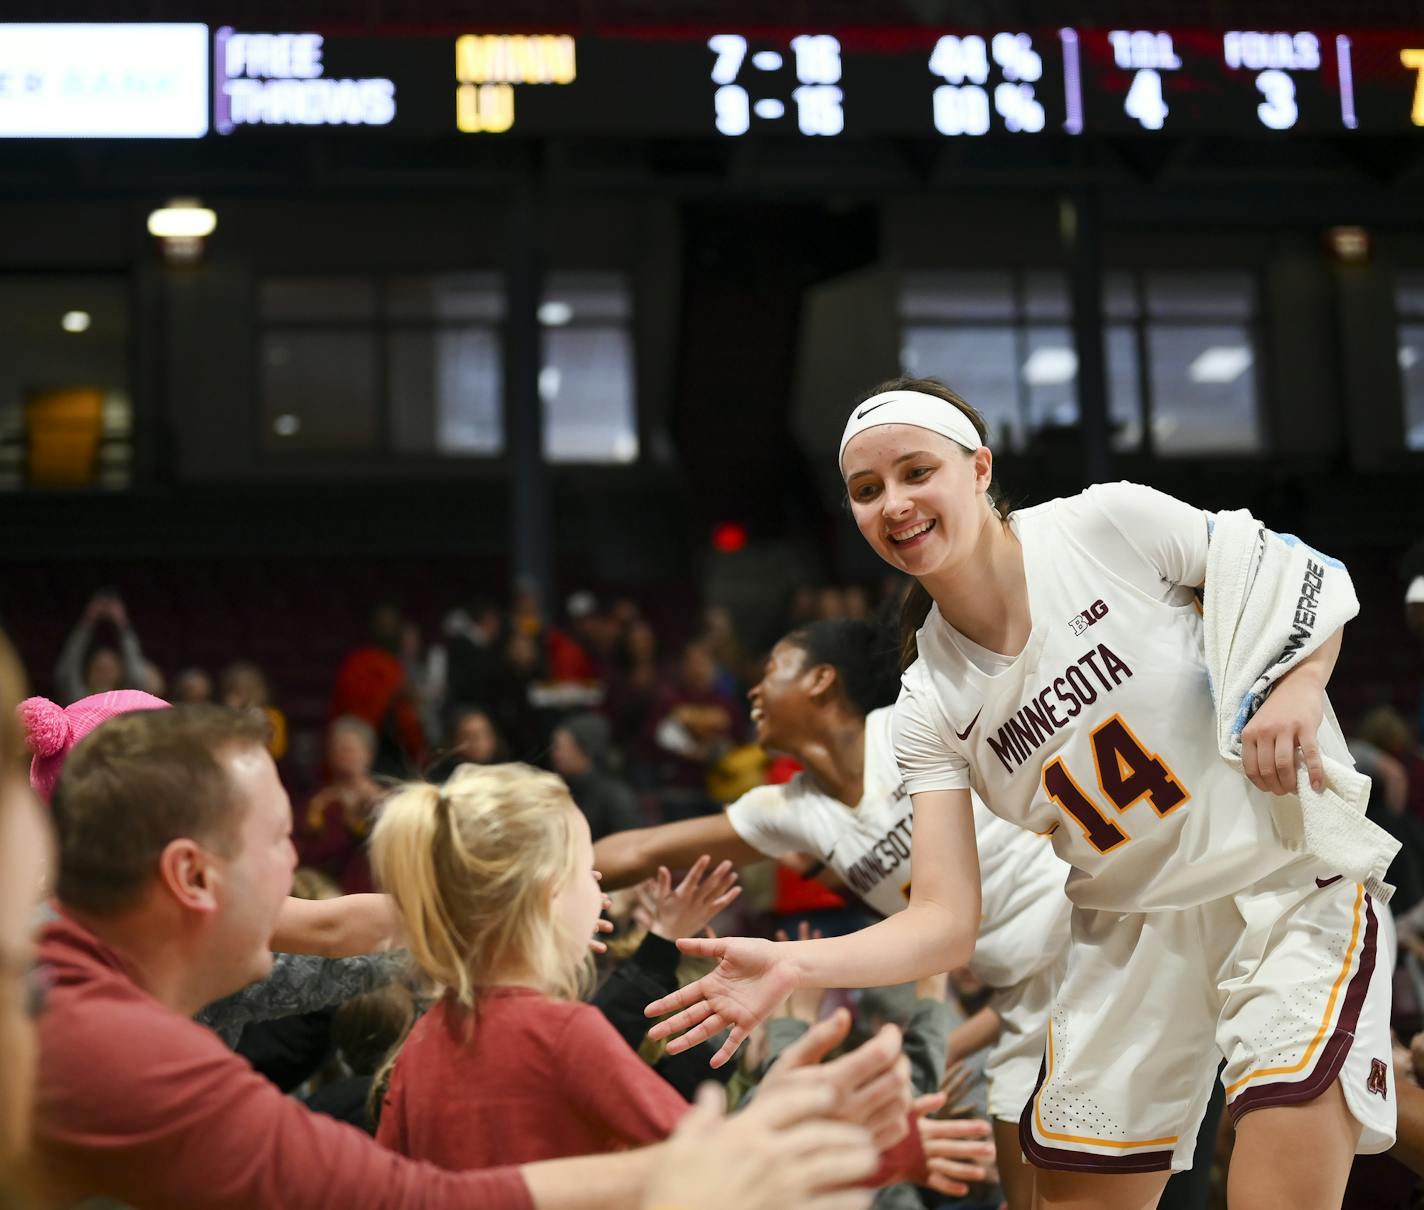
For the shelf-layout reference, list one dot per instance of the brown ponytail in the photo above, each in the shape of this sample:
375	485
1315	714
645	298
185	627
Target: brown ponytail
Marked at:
916	605
914	609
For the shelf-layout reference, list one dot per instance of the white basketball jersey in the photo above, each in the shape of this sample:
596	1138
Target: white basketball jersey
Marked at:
1024	922
1101	734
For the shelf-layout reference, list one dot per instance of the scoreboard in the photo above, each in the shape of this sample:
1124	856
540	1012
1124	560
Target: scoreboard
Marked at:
723	84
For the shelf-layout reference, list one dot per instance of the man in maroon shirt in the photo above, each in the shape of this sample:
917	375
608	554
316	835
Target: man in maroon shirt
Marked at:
175	856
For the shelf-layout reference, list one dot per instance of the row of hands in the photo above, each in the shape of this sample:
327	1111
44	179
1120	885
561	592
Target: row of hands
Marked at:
815	1128
869	1089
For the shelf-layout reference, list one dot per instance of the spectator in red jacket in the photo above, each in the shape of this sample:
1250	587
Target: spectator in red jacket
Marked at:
371	684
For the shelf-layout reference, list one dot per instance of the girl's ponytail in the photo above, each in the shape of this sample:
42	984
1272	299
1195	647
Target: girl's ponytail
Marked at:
404	852
472	865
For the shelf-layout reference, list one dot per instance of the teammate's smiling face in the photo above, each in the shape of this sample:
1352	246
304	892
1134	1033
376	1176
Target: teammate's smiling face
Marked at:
916	495
781	693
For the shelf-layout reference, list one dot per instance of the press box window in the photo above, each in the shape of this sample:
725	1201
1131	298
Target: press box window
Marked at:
1002	339
1409	303
66	417
365	366
1182	358
587	377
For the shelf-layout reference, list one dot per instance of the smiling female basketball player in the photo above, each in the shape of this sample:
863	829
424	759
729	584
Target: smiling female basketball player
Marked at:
1061	673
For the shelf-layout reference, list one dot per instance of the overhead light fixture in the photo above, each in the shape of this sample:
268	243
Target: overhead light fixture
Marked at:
551	378
1220	364
1050	366
1408	357
555	314
287	425
1351	245
181	227
75	321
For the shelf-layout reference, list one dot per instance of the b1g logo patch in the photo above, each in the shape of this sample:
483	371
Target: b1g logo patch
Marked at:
1080	622
1379	1078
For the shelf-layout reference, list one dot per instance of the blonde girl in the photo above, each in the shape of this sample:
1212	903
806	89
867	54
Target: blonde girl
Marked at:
492	874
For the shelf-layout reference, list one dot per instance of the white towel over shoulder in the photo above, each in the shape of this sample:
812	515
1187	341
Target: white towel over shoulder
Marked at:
1270	602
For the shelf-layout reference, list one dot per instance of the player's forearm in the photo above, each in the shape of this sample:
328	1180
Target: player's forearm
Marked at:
612	1181
971	1036
625	858
1319	664
924	939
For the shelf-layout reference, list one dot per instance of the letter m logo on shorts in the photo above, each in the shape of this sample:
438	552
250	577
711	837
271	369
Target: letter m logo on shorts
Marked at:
1378	1081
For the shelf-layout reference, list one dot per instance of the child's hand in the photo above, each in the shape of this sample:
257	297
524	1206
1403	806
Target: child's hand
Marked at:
954	1088
957	1151
685	911
803	1004
603	925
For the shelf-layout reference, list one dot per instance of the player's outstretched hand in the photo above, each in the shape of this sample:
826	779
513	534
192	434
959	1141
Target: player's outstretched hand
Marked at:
1288	720
872	1082
781	1151
957	1151
750	980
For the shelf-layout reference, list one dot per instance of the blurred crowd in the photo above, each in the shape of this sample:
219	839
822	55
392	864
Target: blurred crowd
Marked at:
635	724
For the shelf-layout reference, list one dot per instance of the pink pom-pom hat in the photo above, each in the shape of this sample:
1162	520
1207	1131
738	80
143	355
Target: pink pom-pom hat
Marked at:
52	730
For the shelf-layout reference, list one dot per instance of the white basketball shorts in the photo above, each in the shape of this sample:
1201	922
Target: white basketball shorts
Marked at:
1016	1056
1287	981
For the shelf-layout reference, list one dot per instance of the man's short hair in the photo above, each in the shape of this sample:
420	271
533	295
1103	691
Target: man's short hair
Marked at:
135	784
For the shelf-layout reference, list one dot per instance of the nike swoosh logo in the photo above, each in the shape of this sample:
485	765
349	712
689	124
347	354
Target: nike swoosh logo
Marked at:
963	735
1325	882
865	411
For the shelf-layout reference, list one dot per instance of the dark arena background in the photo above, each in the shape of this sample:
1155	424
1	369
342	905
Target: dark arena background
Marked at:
577	296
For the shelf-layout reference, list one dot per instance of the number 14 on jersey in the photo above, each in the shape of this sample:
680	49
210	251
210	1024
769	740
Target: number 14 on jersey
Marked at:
1126	774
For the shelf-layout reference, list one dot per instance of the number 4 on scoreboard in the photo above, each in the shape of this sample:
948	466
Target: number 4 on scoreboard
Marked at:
1127	773
1144	99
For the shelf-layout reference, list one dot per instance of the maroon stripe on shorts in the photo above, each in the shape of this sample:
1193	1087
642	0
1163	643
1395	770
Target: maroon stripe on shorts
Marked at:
1332	1057
1060	1158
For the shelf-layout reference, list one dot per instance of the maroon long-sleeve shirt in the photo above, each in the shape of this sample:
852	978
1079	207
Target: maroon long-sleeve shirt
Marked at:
138	1103
530	1079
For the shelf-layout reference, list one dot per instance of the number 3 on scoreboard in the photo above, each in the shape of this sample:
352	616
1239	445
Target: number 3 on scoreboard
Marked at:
1127	773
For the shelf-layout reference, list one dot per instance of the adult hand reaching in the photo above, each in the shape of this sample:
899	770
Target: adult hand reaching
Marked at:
872	1082
779	1152
750	981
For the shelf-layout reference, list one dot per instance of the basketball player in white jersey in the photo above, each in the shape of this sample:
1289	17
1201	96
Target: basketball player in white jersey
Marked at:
1061	673
849	810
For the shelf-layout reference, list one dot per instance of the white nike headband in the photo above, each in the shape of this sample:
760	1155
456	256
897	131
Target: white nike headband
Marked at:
911	407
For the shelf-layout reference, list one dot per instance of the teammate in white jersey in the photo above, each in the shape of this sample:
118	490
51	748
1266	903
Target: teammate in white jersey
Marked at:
849	810
1061	672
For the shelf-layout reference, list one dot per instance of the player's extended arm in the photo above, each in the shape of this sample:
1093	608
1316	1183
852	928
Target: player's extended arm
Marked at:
336	928
625	858
971	1036
935	933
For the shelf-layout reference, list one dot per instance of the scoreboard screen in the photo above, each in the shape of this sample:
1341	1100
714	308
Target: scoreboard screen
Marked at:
722	84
